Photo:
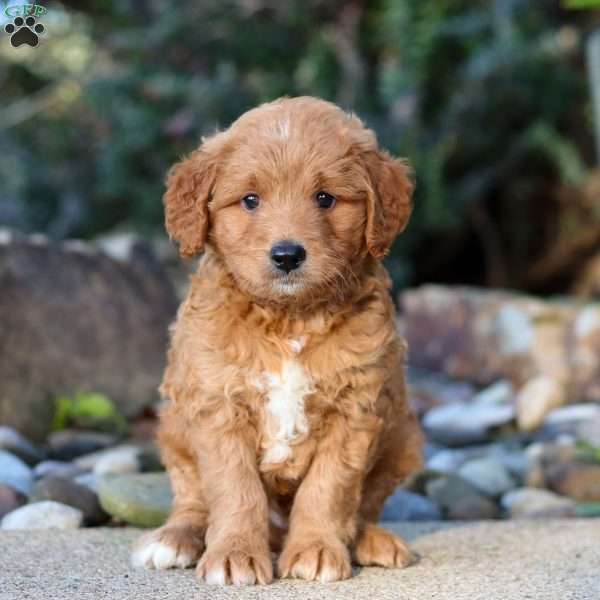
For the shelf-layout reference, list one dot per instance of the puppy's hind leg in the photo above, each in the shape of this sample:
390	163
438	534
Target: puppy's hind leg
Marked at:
180	542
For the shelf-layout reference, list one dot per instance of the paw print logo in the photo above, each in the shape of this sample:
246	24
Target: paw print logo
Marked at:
24	31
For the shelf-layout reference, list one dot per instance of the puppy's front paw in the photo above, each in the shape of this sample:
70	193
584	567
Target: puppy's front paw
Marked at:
232	565
169	547
378	547
315	560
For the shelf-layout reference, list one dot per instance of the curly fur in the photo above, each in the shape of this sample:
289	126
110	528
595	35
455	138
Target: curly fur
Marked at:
287	423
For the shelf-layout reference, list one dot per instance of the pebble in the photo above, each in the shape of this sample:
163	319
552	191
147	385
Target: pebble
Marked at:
15	473
533	503
69	444
56	467
403	505
580	481
462	423
142	499
71	493
120	459
89	480
588	432
10	499
16	443
473	508
573	413
43	515
459	499
536	399
487	475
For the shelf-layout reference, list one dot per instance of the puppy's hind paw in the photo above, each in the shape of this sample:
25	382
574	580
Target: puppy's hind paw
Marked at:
169	547
378	547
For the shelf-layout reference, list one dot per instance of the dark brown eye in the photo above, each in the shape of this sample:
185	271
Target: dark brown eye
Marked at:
250	202
325	200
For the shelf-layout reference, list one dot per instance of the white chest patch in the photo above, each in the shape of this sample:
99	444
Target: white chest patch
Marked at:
286	420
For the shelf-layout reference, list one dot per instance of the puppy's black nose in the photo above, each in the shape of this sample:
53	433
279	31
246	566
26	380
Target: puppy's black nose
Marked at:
287	256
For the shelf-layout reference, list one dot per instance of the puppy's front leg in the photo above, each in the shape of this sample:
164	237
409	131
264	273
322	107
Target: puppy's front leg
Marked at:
237	536
324	515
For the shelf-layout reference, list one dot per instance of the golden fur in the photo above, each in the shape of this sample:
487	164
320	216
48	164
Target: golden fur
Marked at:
287	425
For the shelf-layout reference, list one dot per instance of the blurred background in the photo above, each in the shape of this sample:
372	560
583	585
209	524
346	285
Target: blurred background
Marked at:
492	103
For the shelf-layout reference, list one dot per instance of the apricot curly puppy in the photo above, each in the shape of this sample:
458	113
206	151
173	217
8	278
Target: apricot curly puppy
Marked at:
287	422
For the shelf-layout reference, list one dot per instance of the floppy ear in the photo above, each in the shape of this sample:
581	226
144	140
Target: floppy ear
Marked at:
388	203
189	189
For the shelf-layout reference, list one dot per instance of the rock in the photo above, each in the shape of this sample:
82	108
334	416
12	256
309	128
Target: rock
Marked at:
588	509
541	455
473	508
580	481
10	499
487	475
89	480
143	500
459	499
71	443
43	515
120	459
462	423
15	473
15	443
71	493
574	413
530	503
66	306
482	335
538	397
56	467
407	506
426	390
588	431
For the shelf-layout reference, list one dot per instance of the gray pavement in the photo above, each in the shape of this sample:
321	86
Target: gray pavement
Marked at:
512	560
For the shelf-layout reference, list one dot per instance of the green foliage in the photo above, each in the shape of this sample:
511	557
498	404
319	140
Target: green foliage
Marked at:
485	97
88	411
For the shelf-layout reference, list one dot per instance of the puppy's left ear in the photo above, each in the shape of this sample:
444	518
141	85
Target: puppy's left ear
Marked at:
389	201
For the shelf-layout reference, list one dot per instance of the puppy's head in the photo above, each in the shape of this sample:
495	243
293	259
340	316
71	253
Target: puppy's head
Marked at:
293	196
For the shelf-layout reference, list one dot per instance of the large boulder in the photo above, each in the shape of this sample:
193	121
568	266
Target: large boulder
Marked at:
73	319
482	336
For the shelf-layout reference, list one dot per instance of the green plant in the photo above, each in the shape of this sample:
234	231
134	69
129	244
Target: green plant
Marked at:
88	410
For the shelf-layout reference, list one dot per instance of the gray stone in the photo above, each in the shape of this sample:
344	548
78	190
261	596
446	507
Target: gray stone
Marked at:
473	508
71	493
403	505
43	515
10	499
488	475
15	473
69	444
120	459
459	499
56	467
469	422
573	413
16	443
588	432
533	503
65	307
89	480
143	499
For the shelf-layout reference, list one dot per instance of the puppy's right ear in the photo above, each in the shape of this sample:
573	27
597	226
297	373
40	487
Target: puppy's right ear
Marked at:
189	189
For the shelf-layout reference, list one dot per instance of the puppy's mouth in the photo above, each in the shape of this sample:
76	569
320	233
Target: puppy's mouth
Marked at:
287	284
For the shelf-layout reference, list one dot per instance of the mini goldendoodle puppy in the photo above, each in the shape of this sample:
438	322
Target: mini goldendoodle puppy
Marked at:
287	424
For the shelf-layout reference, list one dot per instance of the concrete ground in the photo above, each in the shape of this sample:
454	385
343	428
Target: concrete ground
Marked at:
511	560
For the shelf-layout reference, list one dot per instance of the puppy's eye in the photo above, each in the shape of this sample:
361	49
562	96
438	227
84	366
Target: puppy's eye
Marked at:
325	200
250	202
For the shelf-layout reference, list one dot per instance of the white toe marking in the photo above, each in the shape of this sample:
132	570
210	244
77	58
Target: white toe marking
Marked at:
215	576
327	575
156	555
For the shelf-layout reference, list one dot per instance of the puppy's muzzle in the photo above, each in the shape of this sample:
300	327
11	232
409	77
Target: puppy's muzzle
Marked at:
287	256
